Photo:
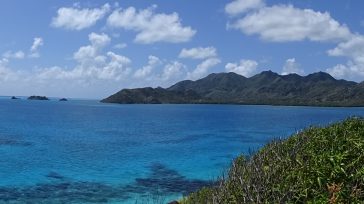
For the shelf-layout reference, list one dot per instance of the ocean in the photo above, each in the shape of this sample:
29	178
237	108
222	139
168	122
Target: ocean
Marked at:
83	151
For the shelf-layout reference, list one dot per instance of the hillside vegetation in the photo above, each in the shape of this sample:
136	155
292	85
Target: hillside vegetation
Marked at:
317	165
268	88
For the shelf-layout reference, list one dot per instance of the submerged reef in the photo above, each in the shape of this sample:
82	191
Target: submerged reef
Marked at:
161	181
10	141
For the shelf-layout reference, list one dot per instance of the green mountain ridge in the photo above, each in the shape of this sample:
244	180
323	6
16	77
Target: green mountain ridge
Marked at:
266	88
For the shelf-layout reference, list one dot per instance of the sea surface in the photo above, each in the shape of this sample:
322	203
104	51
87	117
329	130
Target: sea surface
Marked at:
83	151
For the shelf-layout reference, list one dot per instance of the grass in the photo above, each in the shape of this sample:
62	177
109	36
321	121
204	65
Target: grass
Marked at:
317	165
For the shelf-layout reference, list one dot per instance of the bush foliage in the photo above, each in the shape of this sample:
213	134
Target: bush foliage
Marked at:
317	165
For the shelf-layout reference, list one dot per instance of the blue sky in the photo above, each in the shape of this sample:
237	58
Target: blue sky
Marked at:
91	49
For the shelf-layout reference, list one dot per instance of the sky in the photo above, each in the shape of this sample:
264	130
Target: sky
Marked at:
91	49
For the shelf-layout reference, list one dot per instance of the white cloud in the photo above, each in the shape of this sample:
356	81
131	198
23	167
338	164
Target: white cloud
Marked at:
151	27
84	53
173	71
7	74
90	52
16	55
3	62
245	68
115	67
99	40
93	64
203	68
3	69
159	72
33	51
198	53
354	50
341	71
37	42
285	23
120	46
241	6
99	78
75	18
291	66
146	70
350	70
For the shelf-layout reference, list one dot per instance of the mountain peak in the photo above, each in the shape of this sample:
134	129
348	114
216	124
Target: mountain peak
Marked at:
317	89
268	73
265	76
224	75
320	76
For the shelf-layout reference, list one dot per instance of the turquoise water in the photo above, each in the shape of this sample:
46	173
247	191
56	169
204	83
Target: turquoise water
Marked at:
87	152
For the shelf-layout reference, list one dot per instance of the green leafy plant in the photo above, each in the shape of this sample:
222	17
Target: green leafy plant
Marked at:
317	165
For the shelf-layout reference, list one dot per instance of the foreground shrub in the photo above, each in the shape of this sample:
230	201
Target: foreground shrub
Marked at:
317	165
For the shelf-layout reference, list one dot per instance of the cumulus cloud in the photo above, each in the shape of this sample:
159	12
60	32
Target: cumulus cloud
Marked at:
92	63
150	26
198	53
99	40
96	73
291	66
173	71
36	44
159	72
241	6
285	23
245	68
349	71
34	49
146	70
117	68
3	69
7	74
114	67
354	50
90	52
3	62
16	55
75	18
203	68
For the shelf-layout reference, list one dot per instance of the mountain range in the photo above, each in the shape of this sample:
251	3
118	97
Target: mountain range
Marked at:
266	88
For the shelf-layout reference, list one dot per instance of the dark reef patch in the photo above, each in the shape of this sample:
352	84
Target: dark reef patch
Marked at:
162	181
13	142
55	175
64	192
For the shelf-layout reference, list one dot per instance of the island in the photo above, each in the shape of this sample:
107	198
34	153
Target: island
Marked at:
266	88
63	99
41	98
14	98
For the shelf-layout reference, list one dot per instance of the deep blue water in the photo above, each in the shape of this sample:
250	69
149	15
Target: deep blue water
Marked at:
87	152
